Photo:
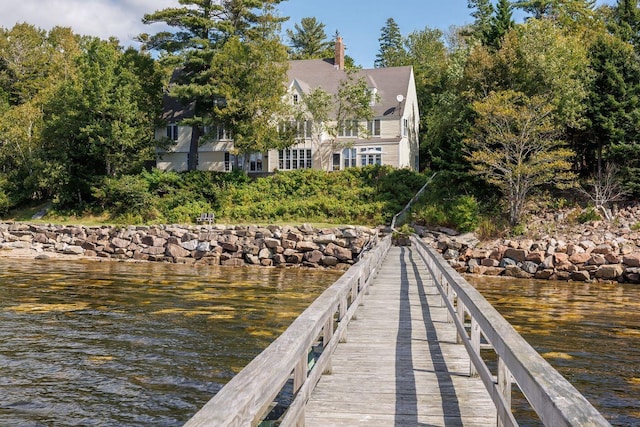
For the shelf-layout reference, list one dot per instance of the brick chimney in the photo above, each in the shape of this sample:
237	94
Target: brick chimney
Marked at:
338	60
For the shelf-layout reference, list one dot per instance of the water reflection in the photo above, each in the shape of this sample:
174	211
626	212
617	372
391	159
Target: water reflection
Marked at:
590	332
113	344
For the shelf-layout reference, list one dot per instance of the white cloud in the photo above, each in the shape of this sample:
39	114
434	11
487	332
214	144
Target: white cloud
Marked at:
101	18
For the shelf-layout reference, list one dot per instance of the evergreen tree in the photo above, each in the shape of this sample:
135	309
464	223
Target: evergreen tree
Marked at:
501	22
613	111
392	52
309	40
231	53
482	14
626	22
571	14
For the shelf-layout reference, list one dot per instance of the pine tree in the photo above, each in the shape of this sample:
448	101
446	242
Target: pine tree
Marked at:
233	67
392	52
309	40
481	27
501	23
626	23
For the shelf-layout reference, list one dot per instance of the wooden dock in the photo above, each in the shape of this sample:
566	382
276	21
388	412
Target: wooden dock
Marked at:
400	364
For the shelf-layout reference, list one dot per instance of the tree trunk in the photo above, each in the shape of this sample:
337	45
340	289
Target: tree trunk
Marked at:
192	159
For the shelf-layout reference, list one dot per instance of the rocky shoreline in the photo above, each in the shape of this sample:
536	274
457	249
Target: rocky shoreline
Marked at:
303	246
590	252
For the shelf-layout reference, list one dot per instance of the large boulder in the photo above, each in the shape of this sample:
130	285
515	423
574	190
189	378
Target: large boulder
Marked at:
176	251
610	272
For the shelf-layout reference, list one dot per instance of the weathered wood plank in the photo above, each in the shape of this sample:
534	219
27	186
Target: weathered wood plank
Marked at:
401	364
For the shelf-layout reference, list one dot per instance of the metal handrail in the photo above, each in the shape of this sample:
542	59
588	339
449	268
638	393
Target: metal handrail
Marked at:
411	202
555	400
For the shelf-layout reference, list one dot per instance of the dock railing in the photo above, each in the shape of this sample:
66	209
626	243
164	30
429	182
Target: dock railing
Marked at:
249	397
554	399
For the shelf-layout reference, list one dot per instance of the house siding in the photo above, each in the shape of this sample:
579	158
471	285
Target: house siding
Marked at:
398	149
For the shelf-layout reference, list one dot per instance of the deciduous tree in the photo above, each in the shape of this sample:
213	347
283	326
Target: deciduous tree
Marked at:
515	146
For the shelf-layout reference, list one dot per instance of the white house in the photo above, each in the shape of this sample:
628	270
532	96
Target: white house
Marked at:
391	137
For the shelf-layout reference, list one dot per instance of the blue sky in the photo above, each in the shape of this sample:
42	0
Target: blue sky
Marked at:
359	21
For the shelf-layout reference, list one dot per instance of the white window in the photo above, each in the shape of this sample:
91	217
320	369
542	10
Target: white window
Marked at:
373	127
370	156
405	127
172	131
255	162
304	129
221	133
349	158
295	98
348	128
299	158
229	160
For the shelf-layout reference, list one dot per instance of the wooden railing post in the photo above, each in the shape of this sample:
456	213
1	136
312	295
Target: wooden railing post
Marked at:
460	313
475	344
300	373
327	335
342	312
450	297
504	387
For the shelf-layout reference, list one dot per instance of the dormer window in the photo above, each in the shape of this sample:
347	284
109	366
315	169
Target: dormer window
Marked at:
295	99
373	94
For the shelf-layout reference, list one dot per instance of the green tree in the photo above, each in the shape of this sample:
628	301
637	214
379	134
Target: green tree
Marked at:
626	22
482	14
613	110
230	54
515	146
33	65
309	40
346	110
392	52
570	14
100	123
501	23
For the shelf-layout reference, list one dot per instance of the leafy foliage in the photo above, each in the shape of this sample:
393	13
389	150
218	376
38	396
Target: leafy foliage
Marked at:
369	195
515	147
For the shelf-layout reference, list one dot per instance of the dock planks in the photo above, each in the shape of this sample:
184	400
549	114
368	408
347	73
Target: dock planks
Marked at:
400	365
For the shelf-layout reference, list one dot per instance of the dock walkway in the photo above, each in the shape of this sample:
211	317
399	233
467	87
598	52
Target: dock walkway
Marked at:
400	364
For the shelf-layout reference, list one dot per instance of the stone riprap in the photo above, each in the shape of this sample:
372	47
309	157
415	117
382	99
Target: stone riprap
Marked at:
590	256
304	246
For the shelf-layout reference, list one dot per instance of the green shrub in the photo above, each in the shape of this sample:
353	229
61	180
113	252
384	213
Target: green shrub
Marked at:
589	214
464	213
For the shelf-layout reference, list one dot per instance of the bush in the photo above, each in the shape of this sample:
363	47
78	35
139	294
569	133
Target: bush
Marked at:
465	213
589	214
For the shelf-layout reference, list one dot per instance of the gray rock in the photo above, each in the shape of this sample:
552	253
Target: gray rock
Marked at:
190	245
325	239
73	250
580	276
609	272
504	262
176	251
529	267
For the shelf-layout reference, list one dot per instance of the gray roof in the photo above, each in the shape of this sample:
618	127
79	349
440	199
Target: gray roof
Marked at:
312	73
390	82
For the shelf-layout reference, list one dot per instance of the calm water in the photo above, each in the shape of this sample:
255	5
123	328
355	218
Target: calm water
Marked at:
589	332
115	344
